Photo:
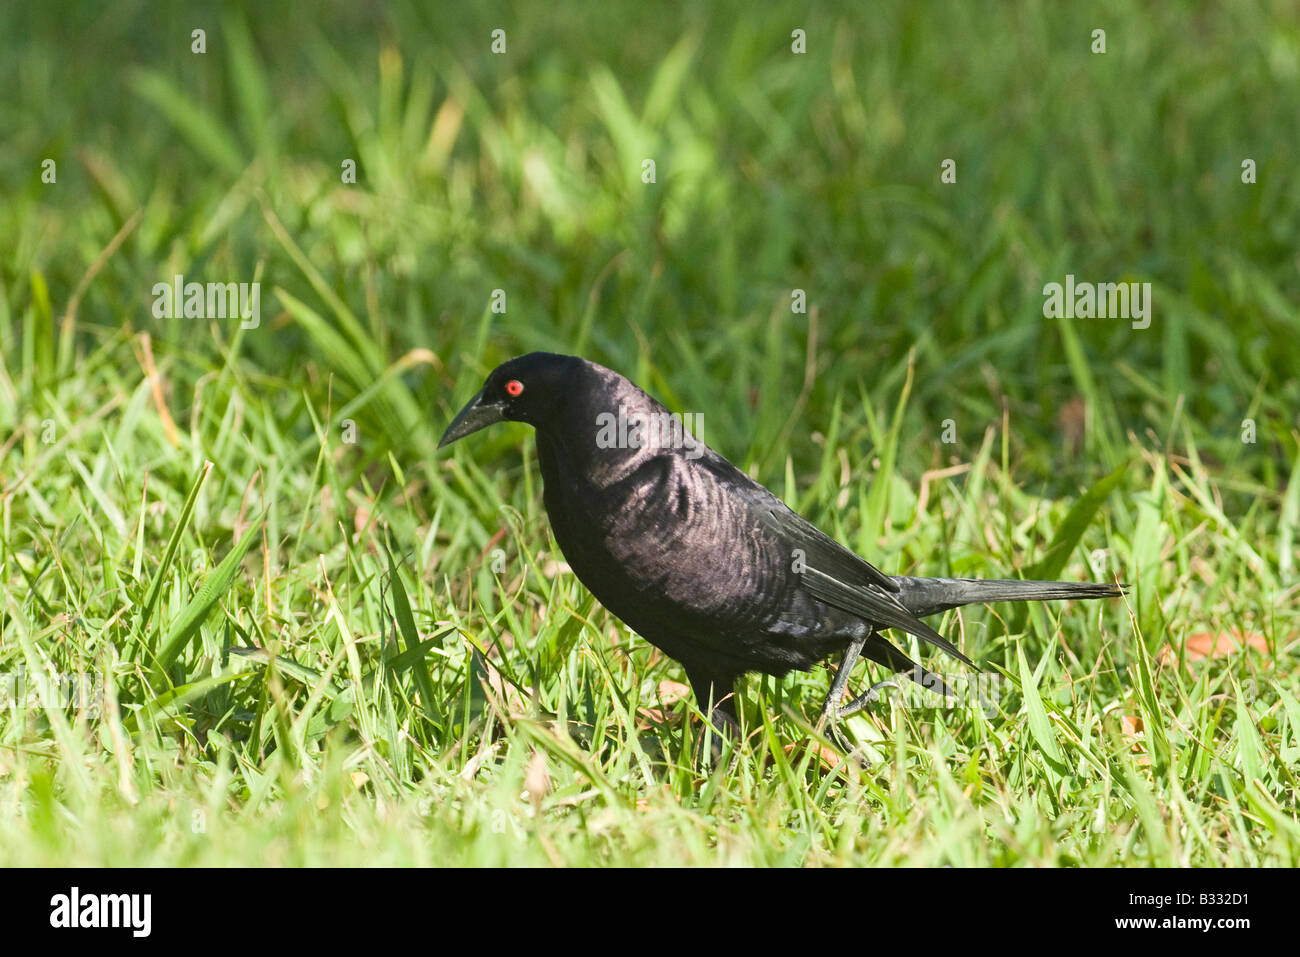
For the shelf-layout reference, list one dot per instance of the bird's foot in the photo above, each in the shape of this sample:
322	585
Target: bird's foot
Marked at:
828	726
829	719
862	700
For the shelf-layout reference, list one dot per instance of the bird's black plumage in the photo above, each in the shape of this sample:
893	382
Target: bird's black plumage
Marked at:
696	556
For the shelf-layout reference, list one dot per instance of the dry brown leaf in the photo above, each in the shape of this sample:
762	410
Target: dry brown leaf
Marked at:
1132	728
829	756
656	716
536	781
1207	645
504	692
553	569
670	692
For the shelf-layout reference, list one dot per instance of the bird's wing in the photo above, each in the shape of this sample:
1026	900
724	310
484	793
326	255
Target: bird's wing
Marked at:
822	551
835	575
879	608
826	569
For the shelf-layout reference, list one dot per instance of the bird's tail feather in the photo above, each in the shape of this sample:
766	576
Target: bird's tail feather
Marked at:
929	596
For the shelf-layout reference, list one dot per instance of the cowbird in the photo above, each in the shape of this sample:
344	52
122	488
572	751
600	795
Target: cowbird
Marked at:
698	558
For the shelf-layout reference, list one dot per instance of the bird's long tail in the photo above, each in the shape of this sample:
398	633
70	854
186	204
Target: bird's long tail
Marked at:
929	596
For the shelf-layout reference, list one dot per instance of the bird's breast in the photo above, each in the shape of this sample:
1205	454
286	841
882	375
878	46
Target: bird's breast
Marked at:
665	547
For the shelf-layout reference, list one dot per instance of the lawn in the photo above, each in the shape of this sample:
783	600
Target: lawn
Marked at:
250	615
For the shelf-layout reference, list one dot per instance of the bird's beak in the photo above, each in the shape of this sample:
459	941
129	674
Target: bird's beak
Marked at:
476	415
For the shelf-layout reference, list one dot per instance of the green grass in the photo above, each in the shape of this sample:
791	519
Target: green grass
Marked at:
429	684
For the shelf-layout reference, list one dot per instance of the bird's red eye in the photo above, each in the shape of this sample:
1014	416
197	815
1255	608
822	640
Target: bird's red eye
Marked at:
514	387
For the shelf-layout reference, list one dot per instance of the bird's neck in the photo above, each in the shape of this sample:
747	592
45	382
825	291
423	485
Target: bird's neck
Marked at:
580	461
605	436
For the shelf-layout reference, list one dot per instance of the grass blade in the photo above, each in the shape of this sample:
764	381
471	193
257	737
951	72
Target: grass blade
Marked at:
193	614
169	554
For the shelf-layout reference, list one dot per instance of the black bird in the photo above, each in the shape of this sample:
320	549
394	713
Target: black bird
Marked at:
697	557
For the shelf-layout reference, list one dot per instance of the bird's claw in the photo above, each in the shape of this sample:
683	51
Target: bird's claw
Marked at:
829	719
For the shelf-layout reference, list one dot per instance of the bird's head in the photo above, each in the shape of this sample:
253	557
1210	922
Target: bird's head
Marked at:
534	388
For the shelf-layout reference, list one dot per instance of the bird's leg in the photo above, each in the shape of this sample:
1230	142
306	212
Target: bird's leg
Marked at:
723	717
716	697
830	707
